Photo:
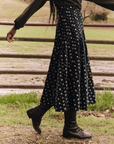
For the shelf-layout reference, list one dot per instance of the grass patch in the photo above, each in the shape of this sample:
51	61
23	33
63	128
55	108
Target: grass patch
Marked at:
29	47
30	31
99	33
14	106
17	104
105	101
46	48
104	50
101	126
19	99
14	119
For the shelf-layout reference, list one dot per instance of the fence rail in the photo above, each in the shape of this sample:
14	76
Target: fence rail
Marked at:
42	24
42	86
35	56
40	72
52	40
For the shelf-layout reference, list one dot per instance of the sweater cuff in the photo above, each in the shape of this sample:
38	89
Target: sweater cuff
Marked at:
16	25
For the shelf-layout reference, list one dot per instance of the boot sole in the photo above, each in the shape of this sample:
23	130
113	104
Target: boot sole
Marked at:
69	136
37	130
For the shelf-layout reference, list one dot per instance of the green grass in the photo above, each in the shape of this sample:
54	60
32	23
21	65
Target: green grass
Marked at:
19	99
17	104
29	47
13	109
49	32
13	115
99	33
105	101
100	126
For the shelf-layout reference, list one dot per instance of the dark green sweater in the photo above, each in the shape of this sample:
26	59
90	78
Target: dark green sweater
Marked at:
37	4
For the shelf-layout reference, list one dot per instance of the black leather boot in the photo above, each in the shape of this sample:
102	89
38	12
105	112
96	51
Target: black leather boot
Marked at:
36	114
71	129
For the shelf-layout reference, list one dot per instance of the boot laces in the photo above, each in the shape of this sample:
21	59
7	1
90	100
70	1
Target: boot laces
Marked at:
79	129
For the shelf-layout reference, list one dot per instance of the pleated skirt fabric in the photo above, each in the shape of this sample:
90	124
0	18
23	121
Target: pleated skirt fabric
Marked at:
69	83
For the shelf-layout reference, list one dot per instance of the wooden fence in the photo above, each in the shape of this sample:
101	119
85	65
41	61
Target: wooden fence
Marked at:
35	56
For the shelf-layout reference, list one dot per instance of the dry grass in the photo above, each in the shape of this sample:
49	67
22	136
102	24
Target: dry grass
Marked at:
10	9
26	135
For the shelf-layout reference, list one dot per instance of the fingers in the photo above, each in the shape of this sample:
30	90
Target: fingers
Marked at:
10	38
11	34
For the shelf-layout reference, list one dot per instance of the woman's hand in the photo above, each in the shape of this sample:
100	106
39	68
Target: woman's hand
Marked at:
11	34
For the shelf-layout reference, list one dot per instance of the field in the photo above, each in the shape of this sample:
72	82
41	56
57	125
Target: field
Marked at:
10	9
15	127
46	48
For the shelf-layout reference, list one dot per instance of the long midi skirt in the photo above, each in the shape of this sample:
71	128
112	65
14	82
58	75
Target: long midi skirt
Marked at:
69	83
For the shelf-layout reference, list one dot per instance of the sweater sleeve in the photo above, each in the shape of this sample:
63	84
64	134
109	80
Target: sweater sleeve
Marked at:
109	4
28	12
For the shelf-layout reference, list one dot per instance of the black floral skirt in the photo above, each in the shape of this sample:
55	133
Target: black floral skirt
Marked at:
69	83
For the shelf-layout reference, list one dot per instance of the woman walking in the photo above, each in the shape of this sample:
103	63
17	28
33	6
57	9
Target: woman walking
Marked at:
69	85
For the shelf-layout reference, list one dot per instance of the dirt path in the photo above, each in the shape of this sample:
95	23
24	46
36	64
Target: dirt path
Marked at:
43	64
33	64
26	135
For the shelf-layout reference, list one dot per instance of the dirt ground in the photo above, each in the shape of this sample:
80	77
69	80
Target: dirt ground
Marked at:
26	135
43	64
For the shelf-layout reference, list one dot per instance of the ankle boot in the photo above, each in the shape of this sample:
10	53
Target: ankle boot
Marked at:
71	129
36	114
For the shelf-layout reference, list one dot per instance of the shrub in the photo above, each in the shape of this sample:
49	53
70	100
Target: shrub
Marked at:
102	16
